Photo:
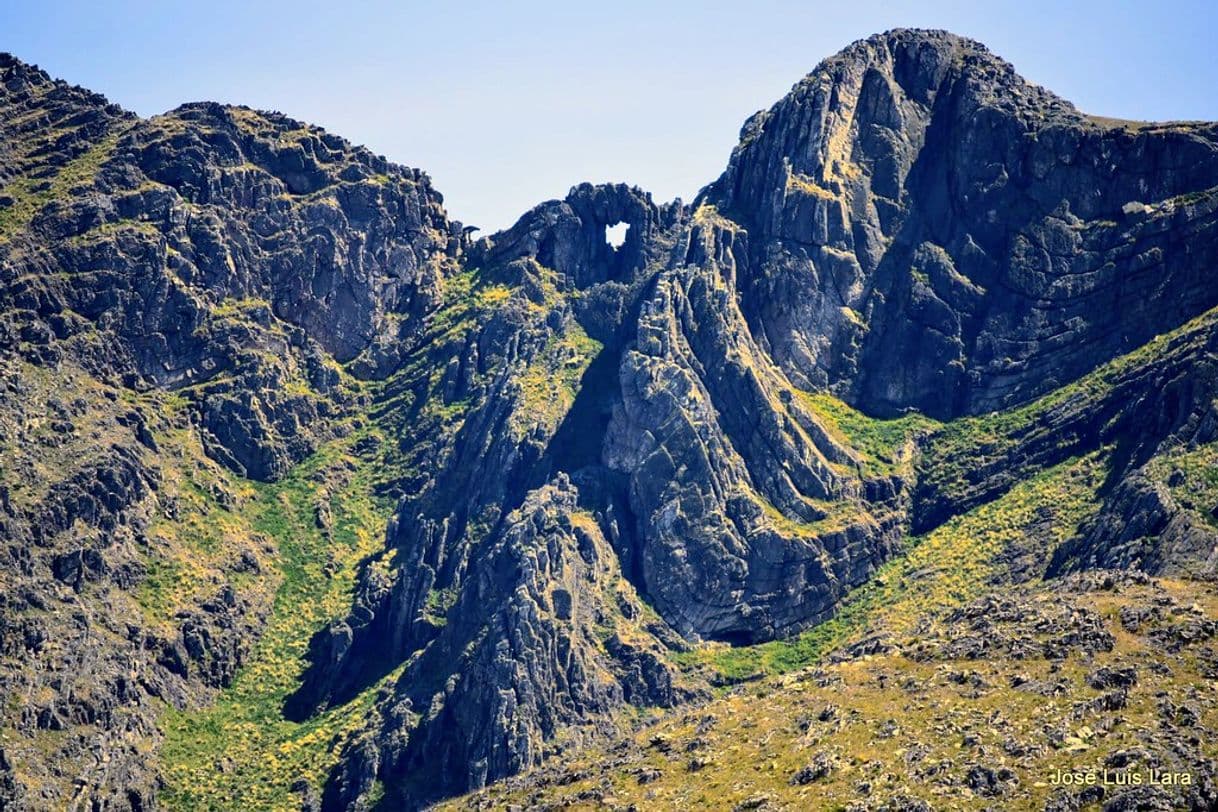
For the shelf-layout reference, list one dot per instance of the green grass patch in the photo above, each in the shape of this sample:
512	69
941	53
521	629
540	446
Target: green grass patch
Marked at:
163	582
882	445
549	384
1191	476
114	228
31	195
241	753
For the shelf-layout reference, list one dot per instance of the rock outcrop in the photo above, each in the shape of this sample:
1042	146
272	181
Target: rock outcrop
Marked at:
556	650
932	232
737	488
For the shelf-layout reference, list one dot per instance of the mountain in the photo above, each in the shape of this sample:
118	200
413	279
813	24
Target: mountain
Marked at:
309	500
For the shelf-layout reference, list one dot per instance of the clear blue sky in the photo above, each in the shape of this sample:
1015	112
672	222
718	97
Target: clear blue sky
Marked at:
507	104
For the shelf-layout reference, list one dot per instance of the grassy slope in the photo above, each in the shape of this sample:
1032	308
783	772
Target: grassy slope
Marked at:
748	745
242	753
881	445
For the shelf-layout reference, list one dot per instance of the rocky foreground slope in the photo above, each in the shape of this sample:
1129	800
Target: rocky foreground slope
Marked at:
307	499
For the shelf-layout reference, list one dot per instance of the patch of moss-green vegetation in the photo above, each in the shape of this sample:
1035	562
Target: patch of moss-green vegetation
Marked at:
241	753
30	195
1192	477
114	228
808	186
947	567
1110	122
466	295
550	383
971	443
835	516
157	594
439	601
239	308
1193	197
708	214
882	445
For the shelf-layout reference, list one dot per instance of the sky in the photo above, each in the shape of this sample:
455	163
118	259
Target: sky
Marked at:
508	104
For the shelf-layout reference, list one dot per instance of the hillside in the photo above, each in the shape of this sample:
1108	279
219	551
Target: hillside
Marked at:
881	474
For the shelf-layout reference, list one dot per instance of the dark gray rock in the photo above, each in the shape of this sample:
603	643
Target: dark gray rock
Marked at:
929	230
490	689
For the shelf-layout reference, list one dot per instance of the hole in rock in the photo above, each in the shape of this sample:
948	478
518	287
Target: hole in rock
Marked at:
615	234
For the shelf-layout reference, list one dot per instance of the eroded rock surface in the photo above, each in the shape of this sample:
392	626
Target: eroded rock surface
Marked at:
931	231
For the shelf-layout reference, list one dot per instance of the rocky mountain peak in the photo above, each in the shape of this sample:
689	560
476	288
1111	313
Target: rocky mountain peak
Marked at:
921	61
19	77
857	122
916	193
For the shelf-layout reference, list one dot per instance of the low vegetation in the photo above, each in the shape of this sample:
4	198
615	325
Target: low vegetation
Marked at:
881	445
322	520
887	726
28	195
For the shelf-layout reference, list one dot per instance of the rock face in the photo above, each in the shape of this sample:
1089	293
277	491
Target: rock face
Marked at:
220	249
522	672
197	275
933	232
736	487
600	456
